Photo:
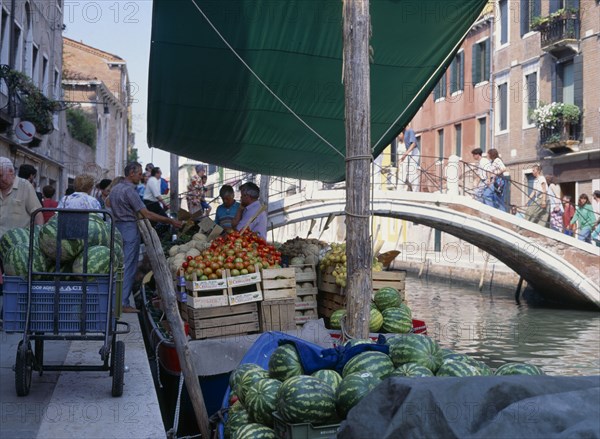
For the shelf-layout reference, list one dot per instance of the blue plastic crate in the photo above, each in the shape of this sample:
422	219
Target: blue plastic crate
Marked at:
42	305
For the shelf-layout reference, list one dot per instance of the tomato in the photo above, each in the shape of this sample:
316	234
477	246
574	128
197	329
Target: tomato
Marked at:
215	266
184	265
207	271
189	258
251	269
219	272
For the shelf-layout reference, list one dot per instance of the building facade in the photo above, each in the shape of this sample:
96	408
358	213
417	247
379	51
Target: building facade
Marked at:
97	82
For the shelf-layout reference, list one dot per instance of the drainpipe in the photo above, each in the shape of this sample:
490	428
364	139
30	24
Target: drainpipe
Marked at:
11	53
491	79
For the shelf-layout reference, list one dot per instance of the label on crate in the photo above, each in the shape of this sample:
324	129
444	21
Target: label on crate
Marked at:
206	285
237	299
180	281
244	279
306	305
62	288
207	301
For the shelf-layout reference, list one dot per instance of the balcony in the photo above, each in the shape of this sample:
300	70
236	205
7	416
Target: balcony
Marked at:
563	137
559	33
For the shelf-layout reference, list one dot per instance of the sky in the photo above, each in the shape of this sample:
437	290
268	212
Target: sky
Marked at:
121	28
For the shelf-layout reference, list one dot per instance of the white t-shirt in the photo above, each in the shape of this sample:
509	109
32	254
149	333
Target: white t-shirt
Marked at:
537	185
152	191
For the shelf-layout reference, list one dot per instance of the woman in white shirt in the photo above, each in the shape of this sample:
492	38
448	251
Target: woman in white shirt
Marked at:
496	181
537	208
81	198
555	204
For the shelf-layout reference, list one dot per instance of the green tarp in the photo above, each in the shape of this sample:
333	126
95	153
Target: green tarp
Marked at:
205	104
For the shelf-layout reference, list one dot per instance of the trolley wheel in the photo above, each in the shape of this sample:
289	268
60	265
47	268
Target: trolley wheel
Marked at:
118	368
23	369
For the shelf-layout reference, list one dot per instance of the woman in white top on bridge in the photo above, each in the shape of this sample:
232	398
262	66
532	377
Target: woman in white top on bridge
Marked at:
537	207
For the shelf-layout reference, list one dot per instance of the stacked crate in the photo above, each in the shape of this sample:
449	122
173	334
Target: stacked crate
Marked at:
279	291
332	297
223	307
306	294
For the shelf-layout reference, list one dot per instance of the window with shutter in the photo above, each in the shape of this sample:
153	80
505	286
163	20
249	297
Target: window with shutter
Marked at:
503	6
481	61
458	140
503	107
441	144
457	73
482	133
531	96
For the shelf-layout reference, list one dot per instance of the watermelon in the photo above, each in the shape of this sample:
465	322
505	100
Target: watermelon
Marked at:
70	248
329	376
306	399
387	297
483	368
397	319
285	363
17	237
411	370
375	320
415	348
239	371
356	341
254	431
335	319
16	262
377	363
247	380
261	399
352	389
457	368
98	260
98	231
519	369
237	417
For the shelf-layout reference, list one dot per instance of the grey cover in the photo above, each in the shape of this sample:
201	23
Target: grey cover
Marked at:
478	407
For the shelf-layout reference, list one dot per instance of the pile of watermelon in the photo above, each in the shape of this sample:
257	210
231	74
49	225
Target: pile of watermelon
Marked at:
14	246
389	313
326	397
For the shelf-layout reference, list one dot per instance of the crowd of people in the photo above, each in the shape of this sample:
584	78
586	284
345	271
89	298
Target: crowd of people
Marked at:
545	204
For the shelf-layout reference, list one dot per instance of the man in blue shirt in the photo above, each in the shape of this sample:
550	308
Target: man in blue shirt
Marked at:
251	212
226	212
413	178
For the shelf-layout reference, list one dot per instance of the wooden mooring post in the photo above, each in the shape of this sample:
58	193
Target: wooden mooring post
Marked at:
359	256
166	289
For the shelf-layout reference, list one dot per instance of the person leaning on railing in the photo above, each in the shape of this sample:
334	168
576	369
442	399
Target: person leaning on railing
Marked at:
537	206
596	228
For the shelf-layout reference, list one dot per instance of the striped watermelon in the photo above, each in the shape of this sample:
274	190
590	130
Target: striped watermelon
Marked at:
375	320
519	369
285	363
377	363
411	370
16	262
118	248
98	260
397	319
306	399
329	376
70	248
98	231
247	380
483	368
352	389
457	368
336	317
239	371
387	297
254	431
17	237
237	417
415	348
357	341
261	399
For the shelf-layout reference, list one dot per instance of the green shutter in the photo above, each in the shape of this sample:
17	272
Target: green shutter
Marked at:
475	67
487	60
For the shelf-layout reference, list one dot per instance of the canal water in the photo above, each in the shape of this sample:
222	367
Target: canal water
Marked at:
491	327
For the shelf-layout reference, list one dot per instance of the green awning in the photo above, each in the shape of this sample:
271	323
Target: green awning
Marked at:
205	104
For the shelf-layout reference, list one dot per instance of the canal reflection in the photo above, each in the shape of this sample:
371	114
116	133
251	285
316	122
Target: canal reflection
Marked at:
491	327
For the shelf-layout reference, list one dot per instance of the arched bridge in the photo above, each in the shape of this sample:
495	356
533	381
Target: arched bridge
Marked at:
560	267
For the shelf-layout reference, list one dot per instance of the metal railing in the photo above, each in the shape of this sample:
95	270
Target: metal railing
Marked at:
559	29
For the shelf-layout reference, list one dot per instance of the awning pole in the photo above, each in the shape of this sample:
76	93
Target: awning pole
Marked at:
357	28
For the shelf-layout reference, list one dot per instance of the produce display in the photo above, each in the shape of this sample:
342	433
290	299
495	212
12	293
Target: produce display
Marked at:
301	251
388	313
336	258
239	253
325	397
14	246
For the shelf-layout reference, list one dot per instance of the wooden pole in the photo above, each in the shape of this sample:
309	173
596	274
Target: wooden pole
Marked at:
357	27
164	283
485	264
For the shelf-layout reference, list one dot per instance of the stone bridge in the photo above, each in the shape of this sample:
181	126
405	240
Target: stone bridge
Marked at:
561	268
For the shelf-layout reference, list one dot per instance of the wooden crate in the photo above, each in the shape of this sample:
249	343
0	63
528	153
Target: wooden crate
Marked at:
305	273
245	288
327	303
223	321
277	315
395	279
229	290
278	283
182	306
